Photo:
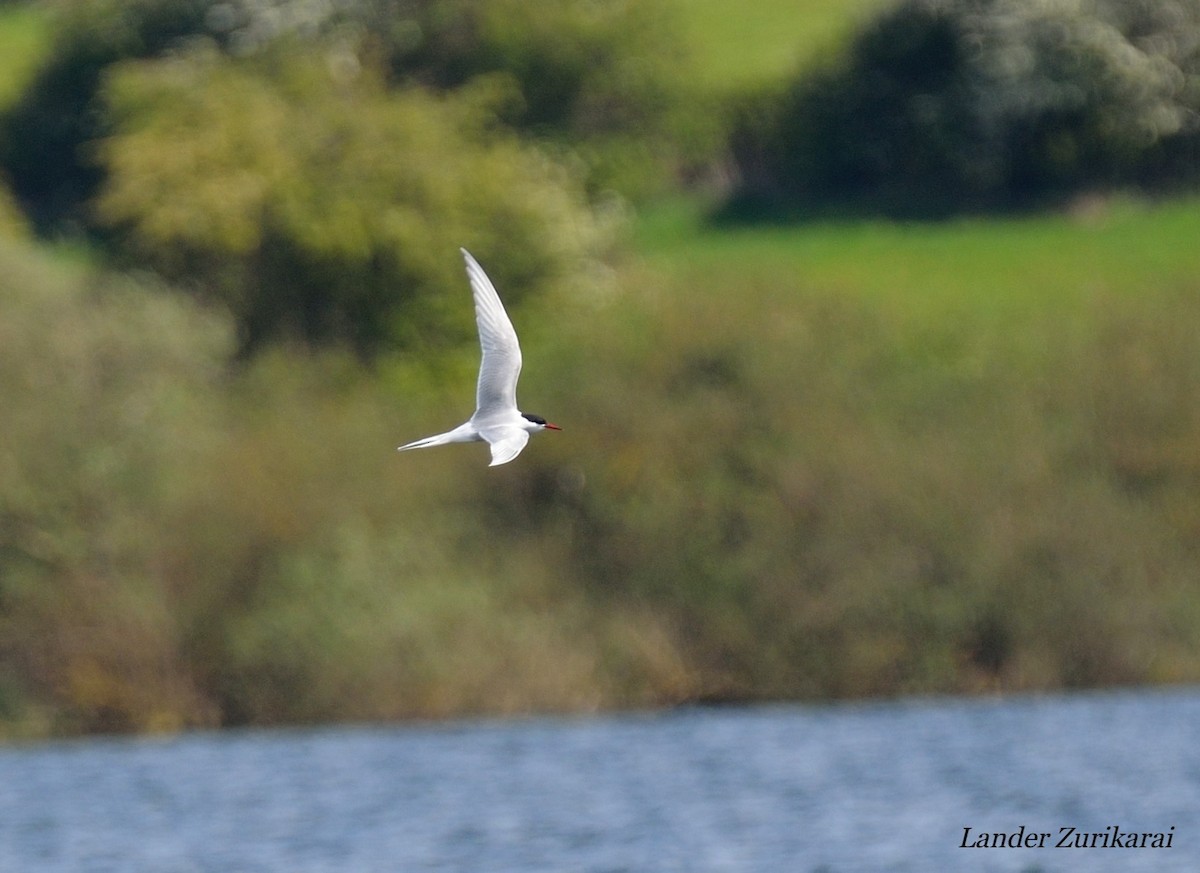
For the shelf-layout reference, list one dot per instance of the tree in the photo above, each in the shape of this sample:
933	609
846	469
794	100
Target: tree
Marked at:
986	103
325	207
42	137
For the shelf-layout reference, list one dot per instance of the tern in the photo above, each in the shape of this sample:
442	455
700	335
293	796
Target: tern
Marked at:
496	421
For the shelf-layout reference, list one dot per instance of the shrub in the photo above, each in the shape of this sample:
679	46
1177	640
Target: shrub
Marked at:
815	494
185	545
42	135
327	209
12	221
604	81
104	385
986	103
609	80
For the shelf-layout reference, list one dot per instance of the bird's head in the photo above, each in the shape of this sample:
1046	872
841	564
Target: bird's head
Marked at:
541	423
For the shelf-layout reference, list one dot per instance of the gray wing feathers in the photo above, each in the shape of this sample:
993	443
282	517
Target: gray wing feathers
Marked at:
501	364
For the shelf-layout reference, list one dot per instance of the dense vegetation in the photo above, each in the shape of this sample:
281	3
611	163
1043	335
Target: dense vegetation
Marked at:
969	104
805	460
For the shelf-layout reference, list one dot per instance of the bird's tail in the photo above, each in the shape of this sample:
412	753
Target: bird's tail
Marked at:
420	444
461	434
425	443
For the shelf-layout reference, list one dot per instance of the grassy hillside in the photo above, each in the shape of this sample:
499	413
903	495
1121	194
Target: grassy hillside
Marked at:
740	45
1047	260
24	38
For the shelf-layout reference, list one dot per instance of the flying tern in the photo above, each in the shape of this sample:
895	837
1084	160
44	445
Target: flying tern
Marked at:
496	421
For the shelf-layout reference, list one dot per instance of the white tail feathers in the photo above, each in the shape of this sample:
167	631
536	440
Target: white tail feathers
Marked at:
464	433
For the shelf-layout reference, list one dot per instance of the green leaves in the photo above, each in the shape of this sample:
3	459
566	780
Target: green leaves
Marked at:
941	105
326	209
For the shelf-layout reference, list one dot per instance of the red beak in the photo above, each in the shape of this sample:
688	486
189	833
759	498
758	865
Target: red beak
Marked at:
550	426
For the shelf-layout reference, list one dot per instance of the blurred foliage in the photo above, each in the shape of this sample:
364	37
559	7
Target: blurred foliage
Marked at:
181	545
911	469
613	81
24	38
610	81
949	104
310	166
327	209
605	83
779	490
103	385
42	135
12	220
819	497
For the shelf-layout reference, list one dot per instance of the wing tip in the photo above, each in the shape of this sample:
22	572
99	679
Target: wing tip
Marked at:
473	266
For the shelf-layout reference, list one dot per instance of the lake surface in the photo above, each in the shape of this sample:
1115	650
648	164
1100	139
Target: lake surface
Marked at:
781	789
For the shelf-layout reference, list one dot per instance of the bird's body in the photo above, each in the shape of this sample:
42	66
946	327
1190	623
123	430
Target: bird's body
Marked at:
496	421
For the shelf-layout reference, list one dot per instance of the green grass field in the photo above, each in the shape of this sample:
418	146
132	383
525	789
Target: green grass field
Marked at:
1046	260
742	45
1053	261
24	37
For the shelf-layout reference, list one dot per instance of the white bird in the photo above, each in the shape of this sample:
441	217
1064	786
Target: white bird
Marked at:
497	420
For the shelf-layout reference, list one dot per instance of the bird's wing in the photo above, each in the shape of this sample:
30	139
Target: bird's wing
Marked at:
506	443
501	364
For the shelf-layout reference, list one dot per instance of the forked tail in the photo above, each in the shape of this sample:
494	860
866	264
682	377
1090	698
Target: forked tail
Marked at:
423	443
464	433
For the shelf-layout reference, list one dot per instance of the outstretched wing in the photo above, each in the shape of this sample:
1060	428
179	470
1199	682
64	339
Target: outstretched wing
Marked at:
506	443
501	363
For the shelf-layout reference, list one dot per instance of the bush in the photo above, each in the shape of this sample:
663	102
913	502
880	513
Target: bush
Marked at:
184	545
604	82
987	103
320	577
329	209
776	491
42	135
12	220
609	80
104	385
313	199
836	498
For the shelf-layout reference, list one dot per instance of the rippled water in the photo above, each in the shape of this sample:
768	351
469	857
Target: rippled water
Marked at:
877	787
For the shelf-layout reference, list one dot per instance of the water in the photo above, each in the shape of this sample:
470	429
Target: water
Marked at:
876	787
